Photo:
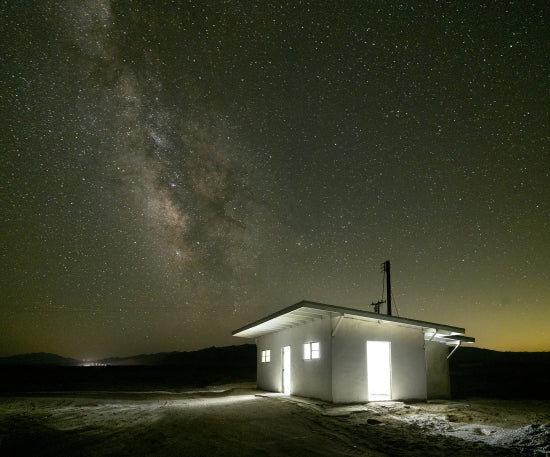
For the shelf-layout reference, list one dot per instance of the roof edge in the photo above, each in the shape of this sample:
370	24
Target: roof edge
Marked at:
351	312
269	317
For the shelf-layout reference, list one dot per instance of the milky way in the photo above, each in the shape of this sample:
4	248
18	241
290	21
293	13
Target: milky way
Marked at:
174	170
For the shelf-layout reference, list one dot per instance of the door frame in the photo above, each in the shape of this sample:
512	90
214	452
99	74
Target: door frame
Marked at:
379	370
285	369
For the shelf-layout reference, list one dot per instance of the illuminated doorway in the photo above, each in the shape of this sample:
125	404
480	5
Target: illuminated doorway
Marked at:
378	370
286	370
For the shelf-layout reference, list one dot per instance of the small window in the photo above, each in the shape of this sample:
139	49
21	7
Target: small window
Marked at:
315	351
312	351
266	356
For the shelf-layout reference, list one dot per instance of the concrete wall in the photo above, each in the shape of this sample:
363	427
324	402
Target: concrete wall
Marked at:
309	378
437	370
349	369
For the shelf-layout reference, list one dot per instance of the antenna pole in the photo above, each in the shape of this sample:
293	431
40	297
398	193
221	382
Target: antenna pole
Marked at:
388	285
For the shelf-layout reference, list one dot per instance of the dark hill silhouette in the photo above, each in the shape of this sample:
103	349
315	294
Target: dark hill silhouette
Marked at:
212	356
172	371
39	358
484	373
244	354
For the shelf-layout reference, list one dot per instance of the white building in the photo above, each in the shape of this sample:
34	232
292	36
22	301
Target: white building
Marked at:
346	355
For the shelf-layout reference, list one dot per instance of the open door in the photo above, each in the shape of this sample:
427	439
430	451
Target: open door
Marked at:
286	370
378	370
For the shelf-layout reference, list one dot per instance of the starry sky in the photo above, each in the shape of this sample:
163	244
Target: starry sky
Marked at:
173	170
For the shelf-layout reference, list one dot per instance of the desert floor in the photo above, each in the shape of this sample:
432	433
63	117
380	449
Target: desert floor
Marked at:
238	420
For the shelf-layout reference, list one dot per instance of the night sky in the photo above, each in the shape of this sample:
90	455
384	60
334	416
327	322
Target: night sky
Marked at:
173	170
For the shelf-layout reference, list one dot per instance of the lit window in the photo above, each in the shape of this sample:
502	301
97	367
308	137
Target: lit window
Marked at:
312	351
266	356
315	351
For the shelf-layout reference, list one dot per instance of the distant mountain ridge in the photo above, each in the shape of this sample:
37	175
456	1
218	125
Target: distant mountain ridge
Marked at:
221	356
40	358
483	372
212	356
165	371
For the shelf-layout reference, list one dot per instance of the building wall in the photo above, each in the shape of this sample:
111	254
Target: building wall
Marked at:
269	374
420	369
309	378
437	370
349	369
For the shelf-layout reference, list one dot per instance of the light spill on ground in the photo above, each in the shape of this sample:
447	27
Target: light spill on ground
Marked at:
233	420
513	424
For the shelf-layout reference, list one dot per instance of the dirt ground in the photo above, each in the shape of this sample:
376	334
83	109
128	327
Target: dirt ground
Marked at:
238	420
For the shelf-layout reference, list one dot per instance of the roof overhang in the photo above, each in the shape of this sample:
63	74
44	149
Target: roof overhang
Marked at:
306	311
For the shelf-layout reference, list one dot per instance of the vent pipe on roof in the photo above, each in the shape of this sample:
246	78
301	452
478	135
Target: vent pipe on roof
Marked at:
388	285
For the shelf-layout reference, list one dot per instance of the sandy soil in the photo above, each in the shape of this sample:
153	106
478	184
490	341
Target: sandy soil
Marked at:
238	420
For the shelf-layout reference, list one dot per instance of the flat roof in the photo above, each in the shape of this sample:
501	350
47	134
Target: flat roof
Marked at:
307	311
